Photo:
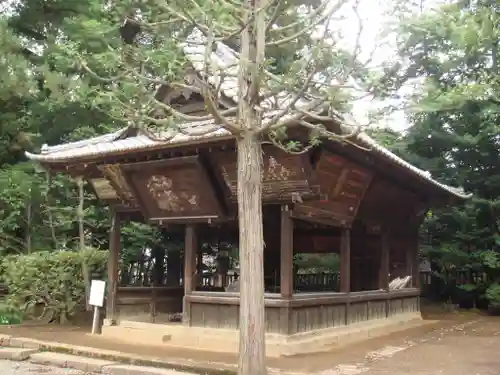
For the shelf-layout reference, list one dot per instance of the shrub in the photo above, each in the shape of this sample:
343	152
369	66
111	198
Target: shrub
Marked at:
493	296
50	279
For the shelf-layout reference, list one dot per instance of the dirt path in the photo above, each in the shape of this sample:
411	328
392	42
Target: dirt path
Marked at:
465	345
467	349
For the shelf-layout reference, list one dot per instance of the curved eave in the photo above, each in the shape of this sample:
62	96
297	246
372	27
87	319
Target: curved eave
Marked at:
140	143
369	142
113	144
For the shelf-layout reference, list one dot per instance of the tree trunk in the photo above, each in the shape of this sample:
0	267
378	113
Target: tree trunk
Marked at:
49	211
252	327
81	235
29	223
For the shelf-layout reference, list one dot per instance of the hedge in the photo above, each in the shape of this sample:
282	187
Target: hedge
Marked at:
51	279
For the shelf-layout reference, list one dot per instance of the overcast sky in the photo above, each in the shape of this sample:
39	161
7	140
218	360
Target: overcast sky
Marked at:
375	16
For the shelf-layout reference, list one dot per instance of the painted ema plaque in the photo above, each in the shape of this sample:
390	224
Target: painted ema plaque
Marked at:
173	190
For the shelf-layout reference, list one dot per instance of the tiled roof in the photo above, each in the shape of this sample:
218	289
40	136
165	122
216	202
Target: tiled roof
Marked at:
224	65
224	59
114	143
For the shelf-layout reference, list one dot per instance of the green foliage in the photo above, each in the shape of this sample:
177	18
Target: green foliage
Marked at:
51	279
317	262
452	54
48	97
493	295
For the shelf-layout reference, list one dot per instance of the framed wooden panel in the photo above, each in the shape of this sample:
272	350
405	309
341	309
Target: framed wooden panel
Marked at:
392	205
113	173
285	177
103	189
342	184
173	190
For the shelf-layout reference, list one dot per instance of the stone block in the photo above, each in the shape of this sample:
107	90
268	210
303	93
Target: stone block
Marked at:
84	364
5	340
22	342
140	370
16	354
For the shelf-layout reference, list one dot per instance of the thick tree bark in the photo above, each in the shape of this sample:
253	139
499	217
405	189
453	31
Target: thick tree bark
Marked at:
252	328
252	58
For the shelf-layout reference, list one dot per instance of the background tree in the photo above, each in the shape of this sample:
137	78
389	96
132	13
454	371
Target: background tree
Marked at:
450	55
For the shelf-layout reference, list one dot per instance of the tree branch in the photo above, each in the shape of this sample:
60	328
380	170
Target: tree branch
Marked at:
320	129
309	27
291	104
295	24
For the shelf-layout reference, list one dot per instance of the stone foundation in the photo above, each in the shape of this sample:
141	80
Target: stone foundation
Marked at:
226	340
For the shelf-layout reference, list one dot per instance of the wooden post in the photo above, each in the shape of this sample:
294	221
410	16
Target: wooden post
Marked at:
385	258
113	260
190	248
173	267
409	255
286	254
415	273
96	327
158	276
199	269
345	260
345	268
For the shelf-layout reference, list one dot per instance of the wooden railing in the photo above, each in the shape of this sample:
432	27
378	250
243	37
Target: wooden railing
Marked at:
305	312
312	282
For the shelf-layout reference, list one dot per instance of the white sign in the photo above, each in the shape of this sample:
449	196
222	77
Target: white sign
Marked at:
97	290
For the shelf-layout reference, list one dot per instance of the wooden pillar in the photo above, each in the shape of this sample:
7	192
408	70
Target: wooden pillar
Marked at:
158	254
190	249
199	269
415	273
385	258
345	260
409	262
286	253
158	274
173	267
113	261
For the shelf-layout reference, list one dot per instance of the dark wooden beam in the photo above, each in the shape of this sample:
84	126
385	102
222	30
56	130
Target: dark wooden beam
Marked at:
397	175
157	164
327	218
384	268
221	189
345	260
415	274
113	260
190	249
286	251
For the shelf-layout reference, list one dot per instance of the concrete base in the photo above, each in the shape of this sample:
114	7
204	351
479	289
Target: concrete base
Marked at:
227	340
84	364
16	354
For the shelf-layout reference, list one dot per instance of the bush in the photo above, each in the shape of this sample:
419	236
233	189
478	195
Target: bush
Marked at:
50	279
493	296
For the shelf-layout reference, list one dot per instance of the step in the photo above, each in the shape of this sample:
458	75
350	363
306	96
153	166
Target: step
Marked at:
84	364
140	370
16	354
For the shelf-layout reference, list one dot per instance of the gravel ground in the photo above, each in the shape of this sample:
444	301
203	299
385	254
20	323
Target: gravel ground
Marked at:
25	368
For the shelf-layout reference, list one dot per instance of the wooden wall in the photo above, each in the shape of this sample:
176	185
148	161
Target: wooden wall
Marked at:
146	303
305	313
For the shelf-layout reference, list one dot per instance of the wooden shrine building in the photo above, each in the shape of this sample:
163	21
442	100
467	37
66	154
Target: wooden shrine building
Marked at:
364	204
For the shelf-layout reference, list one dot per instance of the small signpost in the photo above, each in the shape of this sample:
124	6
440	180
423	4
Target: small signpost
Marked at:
96	299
